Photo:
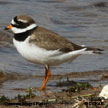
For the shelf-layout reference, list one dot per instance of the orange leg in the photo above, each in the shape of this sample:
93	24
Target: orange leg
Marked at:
47	75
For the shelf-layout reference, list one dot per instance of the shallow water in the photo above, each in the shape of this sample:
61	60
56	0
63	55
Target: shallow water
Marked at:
80	21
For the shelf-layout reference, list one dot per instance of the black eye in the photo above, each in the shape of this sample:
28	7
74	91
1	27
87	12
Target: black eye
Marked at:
19	24
22	24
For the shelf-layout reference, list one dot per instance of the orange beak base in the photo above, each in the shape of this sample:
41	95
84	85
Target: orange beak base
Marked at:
9	27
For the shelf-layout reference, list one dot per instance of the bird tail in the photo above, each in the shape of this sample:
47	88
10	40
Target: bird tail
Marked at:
93	50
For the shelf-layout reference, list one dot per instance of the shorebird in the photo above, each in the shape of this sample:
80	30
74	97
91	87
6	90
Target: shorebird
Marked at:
42	46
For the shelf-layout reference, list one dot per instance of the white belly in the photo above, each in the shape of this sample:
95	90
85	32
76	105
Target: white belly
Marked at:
38	55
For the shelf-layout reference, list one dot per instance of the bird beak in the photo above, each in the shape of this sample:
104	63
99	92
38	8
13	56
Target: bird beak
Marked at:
9	27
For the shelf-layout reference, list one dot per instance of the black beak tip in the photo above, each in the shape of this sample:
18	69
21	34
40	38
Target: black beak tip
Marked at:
5	28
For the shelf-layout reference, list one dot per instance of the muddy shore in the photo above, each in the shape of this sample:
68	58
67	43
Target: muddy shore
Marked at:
75	93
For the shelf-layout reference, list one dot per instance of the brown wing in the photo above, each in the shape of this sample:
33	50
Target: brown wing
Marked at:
51	41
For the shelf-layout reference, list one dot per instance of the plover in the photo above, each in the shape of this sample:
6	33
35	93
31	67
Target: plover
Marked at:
42	46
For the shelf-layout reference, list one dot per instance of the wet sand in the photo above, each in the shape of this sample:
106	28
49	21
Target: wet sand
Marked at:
14	84
83	96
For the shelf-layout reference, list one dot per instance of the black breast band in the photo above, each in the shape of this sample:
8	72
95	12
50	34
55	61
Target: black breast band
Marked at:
22	36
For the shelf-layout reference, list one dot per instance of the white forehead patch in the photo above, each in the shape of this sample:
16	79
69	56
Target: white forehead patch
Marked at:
13	22
24	21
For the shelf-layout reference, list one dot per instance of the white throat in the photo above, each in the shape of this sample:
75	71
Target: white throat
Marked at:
19	30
